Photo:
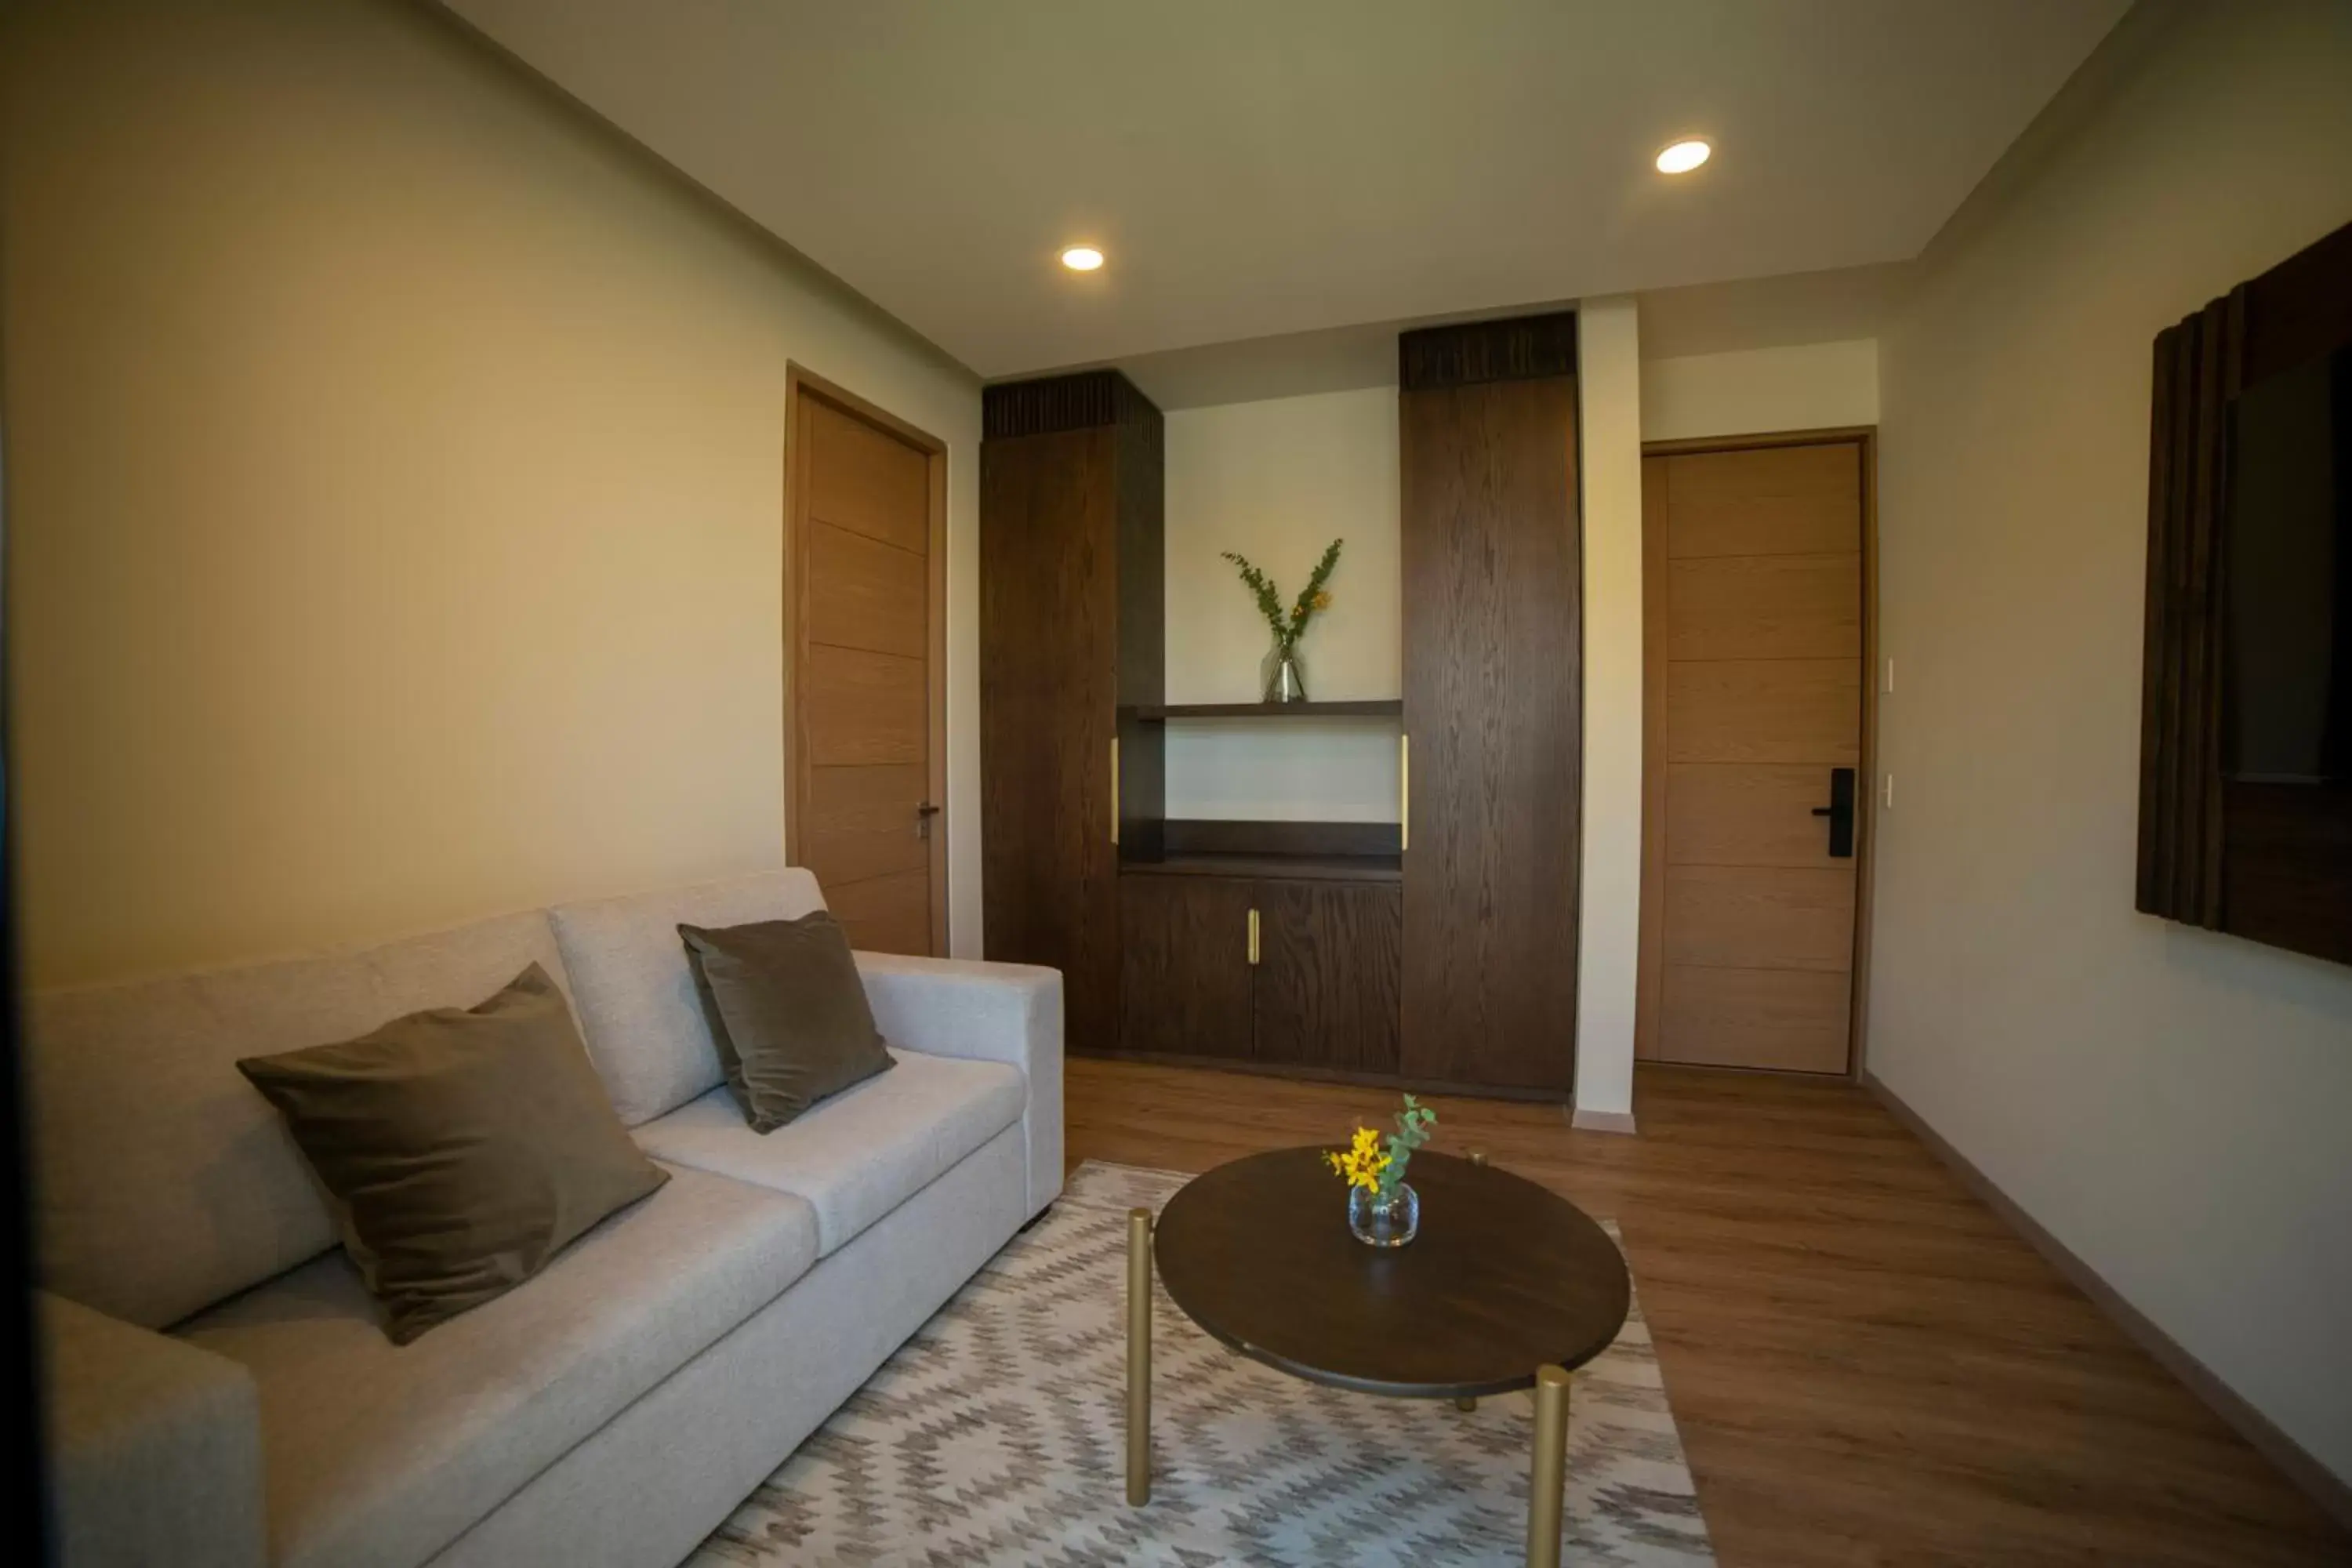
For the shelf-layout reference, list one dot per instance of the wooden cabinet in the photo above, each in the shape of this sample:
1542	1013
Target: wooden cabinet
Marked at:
1491	547
1070	630
1185	971
1320	993
1330	955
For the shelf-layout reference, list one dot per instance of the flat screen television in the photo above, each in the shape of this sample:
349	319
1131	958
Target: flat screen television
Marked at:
2286	695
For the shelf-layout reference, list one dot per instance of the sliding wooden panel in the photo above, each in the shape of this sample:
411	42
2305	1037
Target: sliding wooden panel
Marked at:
2254	856
2180	820
1493	684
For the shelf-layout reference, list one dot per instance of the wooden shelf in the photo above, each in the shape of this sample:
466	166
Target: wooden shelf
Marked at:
1303	867
1380	708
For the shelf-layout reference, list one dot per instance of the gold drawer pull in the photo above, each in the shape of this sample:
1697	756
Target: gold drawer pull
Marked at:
1114	789
1253	936
1405	793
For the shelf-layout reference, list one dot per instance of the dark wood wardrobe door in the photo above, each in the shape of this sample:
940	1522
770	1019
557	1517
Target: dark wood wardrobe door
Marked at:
1493	646
1048	609
1185	970
1331	957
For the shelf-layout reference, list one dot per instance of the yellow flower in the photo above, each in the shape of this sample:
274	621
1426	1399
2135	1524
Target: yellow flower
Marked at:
1322	600
1361	1165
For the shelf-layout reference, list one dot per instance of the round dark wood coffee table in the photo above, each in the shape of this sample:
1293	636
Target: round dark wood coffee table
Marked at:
1507	1287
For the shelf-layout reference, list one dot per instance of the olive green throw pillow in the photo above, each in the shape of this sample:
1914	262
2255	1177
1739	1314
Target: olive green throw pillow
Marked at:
464	1148
787	1011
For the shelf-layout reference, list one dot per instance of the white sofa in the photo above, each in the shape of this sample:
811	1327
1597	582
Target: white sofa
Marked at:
220	1394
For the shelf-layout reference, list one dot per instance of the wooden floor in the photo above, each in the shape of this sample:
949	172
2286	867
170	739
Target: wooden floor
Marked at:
1867	1366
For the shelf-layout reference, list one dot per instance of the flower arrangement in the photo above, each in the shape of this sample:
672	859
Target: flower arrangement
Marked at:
1381	1171
1288	625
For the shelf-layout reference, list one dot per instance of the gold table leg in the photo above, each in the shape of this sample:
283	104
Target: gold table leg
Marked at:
1548	1473
1138	1358
1466	1403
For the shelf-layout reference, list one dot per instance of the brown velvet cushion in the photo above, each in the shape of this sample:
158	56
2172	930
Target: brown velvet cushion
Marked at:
464	1148
787	1011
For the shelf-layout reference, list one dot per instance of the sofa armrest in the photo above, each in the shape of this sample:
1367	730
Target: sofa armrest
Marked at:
989	1012
154	1446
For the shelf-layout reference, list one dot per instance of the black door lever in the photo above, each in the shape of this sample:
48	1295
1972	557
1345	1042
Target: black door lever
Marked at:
1840	811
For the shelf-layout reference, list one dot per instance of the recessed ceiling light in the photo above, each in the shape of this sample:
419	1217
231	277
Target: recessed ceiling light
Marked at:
1082	258
1682	157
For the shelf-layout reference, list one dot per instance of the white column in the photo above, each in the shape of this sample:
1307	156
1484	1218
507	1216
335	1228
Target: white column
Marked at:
1609	387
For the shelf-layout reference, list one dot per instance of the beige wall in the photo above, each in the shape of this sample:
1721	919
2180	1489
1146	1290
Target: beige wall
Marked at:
395	486
2172	1103
1609	376
1806	386
1277	480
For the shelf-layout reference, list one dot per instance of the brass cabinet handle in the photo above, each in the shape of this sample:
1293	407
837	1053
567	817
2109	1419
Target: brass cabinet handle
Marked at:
1114	789
1253	940
1405	793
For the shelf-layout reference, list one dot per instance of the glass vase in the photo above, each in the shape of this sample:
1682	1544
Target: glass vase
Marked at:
1384	1219
1285	675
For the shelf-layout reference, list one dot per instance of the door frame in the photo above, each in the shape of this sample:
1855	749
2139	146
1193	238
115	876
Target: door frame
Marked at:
1650	973
801	382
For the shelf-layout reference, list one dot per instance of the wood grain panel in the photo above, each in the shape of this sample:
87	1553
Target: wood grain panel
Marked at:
1184	969
1493	684
1329	964
862	822
1048	611
1649	974
862	593
1463	353
886	914
1761	917
866	651
1794	1020
1734	815
1763	500
1776	711
861	708
866	481
1867	1364
1766	606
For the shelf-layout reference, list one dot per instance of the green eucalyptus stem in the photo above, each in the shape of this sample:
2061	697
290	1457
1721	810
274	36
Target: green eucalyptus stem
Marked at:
1287	625
1415	1123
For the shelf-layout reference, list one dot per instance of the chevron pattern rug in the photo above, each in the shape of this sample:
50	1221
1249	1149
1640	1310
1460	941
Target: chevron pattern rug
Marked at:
995	1435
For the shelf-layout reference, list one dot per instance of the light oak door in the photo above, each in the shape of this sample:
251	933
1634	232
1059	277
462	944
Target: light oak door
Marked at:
866	771
1753	573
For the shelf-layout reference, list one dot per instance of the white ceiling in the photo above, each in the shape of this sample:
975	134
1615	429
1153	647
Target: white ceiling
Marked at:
1264	167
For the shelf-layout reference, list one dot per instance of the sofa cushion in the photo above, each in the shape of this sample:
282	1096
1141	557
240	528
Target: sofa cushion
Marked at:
165	1182
644	1023
859	1154
465	1147
787	1011
382	1455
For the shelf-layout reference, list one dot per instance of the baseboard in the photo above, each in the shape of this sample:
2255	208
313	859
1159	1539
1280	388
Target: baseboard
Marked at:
1300	1073
1585	1120
2325	1486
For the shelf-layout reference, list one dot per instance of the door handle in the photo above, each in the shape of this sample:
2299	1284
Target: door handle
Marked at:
924	812
1840	811
1253	936
1405	793
1114	789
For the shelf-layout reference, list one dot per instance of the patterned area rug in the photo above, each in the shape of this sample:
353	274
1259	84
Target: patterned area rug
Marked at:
995	1435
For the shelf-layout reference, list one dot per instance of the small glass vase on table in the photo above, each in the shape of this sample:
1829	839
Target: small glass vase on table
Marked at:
1382	1209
